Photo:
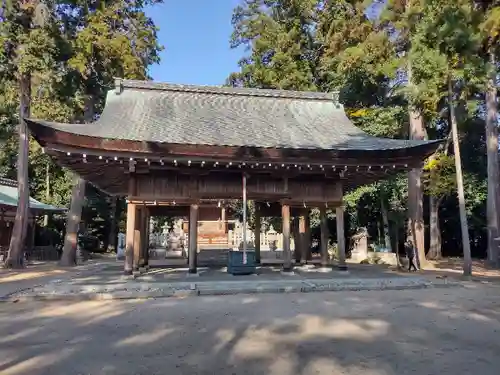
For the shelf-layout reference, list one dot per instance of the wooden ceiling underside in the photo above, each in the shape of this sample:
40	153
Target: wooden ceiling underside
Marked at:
112	175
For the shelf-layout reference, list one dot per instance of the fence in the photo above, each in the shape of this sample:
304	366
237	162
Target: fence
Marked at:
269	240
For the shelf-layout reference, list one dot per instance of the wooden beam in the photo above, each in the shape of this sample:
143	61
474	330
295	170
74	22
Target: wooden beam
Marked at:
131	224
223	219
324	237
193	239
297	252
304	246
129	247
111	177
287	255
257	233
138	240
144	236
341	237
147	235
56	138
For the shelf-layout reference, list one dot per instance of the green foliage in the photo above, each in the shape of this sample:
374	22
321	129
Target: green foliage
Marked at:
380	121
364	49
439	175
74	53
290	44
278	34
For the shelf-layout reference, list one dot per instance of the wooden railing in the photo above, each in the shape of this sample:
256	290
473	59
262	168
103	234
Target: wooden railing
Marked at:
37	253
269	241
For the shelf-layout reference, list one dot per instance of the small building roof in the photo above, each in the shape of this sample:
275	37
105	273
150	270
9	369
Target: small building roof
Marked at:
145	111
9	198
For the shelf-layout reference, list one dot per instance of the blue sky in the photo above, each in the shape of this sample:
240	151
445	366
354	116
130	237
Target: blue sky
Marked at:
195	34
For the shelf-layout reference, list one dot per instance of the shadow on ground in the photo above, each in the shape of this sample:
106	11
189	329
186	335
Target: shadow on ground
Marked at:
436	331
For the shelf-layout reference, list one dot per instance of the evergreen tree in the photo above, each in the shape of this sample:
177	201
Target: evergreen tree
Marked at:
489	15
75	56
117	40
444	52
279	36
28	35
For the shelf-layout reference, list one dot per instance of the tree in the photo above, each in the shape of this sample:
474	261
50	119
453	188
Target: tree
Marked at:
27	37
453	48
490	32
359	58
117	40
279	36
78	52
399	18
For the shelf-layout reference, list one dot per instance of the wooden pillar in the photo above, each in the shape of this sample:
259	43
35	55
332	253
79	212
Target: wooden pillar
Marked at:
129	238
144	236
257	233
113	235
138	238
297	239
147	234
304	246
223	219
324	237
308	237
287	255
193	238
341	237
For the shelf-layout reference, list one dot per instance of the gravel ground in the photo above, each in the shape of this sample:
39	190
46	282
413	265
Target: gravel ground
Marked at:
429	331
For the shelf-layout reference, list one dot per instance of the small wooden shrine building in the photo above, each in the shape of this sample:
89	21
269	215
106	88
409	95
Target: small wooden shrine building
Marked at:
174	148
8	205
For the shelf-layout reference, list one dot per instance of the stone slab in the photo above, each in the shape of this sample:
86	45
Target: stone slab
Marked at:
141	290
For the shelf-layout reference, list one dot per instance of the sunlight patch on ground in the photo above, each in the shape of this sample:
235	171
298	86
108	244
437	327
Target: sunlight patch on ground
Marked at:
369	330
479	317
85	312
255	344
272	341
37	362
223	337
431	305
249	300
284	364
146	338
28	275
19	335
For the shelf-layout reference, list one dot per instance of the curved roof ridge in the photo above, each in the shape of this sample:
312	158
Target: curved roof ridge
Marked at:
121	84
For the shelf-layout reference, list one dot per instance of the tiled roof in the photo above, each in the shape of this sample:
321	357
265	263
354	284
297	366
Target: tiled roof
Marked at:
9	197
223	116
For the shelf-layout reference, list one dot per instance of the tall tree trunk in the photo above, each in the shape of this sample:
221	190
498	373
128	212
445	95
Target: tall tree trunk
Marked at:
113	236
435	230
18	238
74	217
396	243
47	193
415	189
68	258
385	221
493	206
460	184
435	246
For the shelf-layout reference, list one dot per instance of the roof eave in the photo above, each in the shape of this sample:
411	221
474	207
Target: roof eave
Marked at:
50	137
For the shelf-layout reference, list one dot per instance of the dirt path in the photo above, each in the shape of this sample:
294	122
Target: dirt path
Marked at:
432	332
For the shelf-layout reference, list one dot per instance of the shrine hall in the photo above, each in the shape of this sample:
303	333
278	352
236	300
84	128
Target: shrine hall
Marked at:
175	149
